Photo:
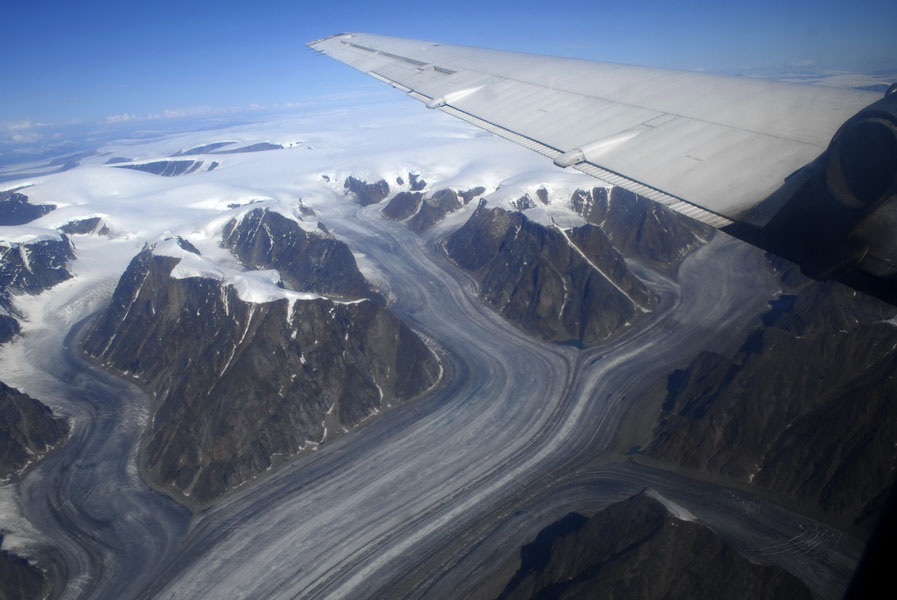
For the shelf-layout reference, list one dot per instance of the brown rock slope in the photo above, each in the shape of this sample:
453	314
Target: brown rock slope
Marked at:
641	228
16	210
806	407
28	430
636	549
423	212
366	193
308	261
568	285
237	383
29	268
20	580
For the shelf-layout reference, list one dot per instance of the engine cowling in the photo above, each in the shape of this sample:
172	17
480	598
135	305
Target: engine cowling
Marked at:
839	216
861	164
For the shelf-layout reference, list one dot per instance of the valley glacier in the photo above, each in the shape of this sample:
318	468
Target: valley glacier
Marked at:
424	499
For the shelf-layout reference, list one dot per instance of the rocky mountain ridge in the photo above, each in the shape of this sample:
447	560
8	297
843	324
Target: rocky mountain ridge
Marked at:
561	285
237	383
28	430
19	579
402	206
85	226
421	212
805	407
639	227
366	193
308	261
638	549
420	209
166	168
16	210
29	264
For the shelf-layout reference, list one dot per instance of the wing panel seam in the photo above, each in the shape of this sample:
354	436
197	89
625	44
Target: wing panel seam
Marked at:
675	203
602	99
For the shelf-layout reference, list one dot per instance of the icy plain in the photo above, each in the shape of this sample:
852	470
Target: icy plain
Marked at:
422	501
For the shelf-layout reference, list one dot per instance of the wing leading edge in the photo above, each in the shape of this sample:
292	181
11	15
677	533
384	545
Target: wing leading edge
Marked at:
731	152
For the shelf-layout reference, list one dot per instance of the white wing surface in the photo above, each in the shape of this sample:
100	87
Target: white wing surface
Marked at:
708	146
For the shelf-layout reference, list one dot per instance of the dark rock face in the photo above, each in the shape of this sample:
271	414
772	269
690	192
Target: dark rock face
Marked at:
416	183
16	210
523	203
19	579
215	148
166	168
237	383
805	408
641	228
636	549
421	212
548	281
85	227
9	327
204	149
468	195
243	203
115	160
367	193
434	209
28	430
29	268
307	262
34	266
402	206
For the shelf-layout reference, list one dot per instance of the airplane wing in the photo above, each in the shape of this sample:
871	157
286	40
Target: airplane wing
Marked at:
809	172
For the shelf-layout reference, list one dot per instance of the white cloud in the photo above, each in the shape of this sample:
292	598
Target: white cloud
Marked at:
176	113
205	111
121	118
23	126
28	137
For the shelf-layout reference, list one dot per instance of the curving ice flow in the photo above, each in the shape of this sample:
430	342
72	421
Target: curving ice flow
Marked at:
423	499
381	511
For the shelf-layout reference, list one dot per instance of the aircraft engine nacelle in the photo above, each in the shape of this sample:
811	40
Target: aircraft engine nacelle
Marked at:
861	165
837	217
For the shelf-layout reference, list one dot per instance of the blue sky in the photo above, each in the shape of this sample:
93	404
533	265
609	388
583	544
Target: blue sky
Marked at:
92	60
